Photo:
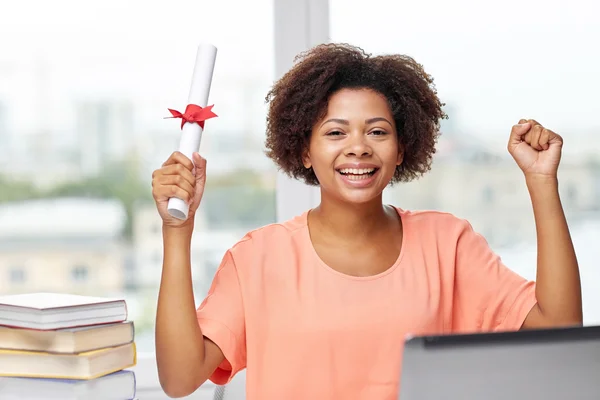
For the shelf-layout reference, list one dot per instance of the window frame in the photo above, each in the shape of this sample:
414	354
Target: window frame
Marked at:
299	25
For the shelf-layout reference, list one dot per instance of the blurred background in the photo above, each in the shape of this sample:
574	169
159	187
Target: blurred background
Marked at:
84	87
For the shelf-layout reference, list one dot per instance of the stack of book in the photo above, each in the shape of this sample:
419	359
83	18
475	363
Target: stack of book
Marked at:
63	346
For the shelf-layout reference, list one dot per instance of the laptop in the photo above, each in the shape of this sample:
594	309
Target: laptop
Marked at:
549	364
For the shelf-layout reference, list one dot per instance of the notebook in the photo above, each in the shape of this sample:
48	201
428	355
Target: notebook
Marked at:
119	385
46	311
87	365
68	340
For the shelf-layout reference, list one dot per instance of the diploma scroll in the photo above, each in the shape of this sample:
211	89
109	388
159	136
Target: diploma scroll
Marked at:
192	131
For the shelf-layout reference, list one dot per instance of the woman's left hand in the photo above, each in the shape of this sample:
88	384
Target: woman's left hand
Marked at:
536	150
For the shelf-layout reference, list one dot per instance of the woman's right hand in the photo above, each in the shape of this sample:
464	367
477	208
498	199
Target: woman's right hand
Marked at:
179	177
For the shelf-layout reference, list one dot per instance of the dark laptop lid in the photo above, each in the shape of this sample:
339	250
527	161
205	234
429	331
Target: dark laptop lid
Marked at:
549	364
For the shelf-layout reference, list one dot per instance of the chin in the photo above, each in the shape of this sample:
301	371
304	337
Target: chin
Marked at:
364	200
359	196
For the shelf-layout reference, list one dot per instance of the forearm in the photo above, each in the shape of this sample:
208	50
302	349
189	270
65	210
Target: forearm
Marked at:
179	340
558	288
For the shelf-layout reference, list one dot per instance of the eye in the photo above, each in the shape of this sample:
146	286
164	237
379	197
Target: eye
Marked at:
334	133
378	132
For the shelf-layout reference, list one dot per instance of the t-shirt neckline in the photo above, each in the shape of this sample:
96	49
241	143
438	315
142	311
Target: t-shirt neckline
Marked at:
325	266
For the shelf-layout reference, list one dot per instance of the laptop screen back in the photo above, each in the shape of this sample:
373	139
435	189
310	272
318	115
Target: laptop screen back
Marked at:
556	364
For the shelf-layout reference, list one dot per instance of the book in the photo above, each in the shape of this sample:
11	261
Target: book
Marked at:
48	311
87	365
120	385
68	340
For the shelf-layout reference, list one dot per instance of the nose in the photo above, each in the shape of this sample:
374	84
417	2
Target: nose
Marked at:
358	146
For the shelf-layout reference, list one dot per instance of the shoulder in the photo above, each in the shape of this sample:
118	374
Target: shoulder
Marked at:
269	237
431	220
437	229
443	234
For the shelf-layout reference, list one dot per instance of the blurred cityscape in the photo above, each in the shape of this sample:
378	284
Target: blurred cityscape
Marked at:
76	211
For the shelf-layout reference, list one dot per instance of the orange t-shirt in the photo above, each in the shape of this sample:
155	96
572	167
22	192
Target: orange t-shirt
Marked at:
306	331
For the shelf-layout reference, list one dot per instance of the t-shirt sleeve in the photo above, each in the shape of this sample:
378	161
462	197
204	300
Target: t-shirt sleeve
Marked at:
488	296
221	319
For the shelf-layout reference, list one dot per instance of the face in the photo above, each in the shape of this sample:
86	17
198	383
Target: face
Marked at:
354	149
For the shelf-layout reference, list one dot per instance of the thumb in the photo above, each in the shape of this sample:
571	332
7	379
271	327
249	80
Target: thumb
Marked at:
199	172
199	168
518	131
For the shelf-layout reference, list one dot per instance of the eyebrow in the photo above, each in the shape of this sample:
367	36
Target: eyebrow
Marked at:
367	121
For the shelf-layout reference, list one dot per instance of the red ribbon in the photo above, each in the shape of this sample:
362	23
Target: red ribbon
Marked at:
194	113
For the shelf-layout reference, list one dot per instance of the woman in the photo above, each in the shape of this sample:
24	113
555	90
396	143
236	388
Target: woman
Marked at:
317	307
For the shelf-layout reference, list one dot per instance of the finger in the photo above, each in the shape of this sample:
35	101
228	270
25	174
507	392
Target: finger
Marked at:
518	131
534	139
545	138
161	192
179	158
177	180
178	169
554	138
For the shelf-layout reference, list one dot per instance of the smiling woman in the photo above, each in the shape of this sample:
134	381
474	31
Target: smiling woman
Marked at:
340	285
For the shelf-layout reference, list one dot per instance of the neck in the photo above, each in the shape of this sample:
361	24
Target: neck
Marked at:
351	221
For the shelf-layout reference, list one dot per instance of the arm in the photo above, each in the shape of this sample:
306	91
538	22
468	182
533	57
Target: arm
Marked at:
185	358
537	151
487	295
558	289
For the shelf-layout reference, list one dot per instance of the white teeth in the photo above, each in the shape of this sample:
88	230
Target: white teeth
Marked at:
355	171
357	177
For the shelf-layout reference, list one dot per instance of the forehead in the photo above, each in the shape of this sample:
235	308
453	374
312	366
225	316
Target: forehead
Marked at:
358	102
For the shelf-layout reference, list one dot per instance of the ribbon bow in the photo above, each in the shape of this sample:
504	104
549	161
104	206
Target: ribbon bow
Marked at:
194	113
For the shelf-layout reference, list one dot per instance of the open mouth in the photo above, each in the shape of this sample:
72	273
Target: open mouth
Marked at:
355	174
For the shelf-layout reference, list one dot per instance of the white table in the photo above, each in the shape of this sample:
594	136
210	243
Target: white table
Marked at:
148	386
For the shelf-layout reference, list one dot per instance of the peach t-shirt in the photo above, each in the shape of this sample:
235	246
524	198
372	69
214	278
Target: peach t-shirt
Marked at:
306	331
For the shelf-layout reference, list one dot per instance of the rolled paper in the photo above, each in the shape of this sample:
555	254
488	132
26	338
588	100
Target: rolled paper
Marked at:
192	120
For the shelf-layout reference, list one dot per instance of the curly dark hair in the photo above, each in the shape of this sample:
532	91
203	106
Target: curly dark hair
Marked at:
299	99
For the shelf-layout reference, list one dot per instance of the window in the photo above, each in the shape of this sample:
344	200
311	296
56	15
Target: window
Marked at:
88	91
481	63
121	74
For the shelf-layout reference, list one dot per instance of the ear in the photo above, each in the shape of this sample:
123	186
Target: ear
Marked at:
306	160
400	155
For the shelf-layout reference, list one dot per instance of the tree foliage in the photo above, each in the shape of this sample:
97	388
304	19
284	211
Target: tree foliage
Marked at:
239	199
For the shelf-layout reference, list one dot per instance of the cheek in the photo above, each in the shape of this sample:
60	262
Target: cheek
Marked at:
324	155
390	154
